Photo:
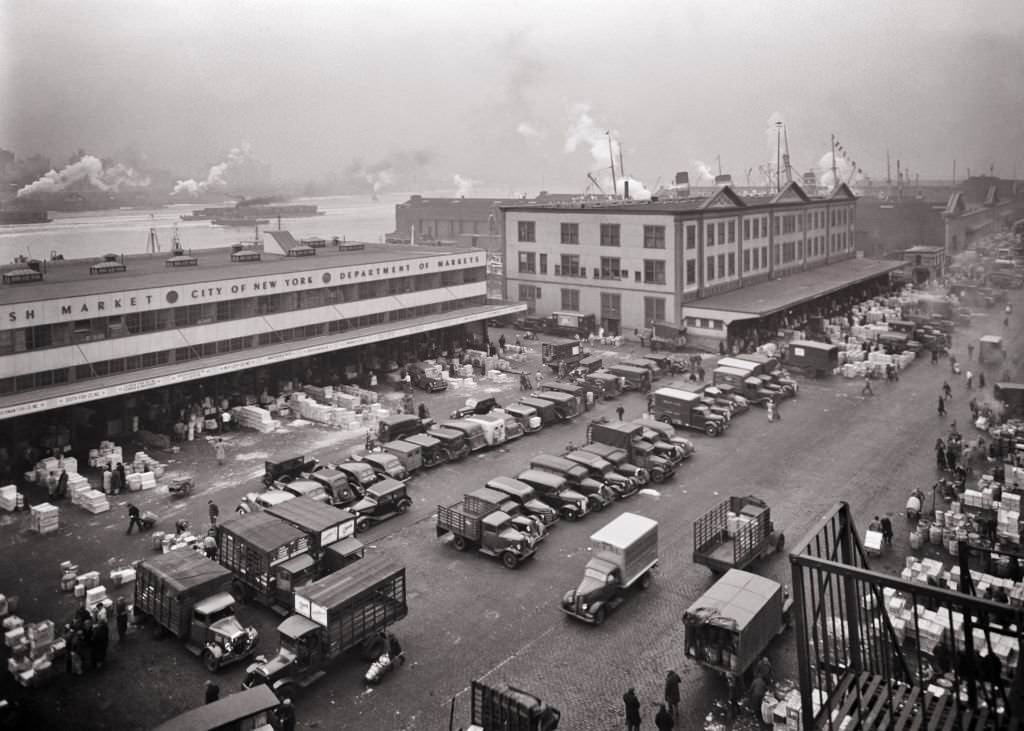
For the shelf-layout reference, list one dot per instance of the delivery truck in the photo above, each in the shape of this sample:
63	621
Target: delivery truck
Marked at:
493	534
186	594
629	438
484	501
685	409
348	610
625	554
735	533
504	708
267	556
322	524
567	406
562	353
729	628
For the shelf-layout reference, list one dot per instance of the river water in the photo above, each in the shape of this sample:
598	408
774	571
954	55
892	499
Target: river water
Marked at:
92	234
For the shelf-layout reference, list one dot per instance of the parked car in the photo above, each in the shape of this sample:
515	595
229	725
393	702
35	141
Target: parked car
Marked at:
384	500
425	382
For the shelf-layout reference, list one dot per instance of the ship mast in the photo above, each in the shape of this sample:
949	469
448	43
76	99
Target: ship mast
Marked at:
611	159
152	242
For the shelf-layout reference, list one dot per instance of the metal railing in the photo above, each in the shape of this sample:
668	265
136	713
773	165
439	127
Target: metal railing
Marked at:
852	623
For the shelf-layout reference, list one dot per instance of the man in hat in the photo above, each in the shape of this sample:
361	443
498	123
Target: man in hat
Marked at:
212	692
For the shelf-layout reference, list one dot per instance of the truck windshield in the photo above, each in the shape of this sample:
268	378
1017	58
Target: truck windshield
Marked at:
595	575
216	616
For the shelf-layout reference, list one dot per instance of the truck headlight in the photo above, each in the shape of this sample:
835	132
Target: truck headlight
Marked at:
584	606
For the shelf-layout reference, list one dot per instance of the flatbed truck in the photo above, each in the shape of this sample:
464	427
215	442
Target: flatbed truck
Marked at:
721	546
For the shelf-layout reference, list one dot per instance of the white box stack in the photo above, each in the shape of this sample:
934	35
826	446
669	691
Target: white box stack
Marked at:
95	596
95	501
45	518
148	480
8	498
254	417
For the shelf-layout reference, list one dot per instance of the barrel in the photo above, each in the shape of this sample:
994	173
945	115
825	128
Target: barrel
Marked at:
953	546
935	535
940	518
916	539
1003	567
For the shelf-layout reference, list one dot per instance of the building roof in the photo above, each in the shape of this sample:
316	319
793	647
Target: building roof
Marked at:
779	294
71	277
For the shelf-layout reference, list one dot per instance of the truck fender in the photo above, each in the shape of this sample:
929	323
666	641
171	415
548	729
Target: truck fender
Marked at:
285	689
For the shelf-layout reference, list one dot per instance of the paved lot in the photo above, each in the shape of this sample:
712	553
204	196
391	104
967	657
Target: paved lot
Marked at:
471	618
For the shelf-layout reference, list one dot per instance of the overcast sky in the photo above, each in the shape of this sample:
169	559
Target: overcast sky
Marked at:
494	91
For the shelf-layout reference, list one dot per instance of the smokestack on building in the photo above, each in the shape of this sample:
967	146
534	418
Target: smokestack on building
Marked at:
625	189
810	180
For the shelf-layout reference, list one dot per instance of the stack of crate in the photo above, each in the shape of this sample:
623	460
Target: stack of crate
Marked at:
95	501
45	518
9	498
254	417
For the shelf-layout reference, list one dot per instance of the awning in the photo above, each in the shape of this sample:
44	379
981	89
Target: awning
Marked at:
125	383
777	295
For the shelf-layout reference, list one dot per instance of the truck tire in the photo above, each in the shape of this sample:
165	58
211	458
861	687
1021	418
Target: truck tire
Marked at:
403	505
570	515
599	616
362	525
658	475
645	580
642	477
510	560
285	692
211	661
443	455
711	430
459	543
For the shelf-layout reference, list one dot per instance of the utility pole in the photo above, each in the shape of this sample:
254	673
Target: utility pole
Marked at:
611	159
888	169
954	171
778	156
835	175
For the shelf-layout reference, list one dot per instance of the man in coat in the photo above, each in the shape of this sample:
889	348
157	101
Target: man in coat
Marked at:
632	705
663	719
672	681
100	641
134	519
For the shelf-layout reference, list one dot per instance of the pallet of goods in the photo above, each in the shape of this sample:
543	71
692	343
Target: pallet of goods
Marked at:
95	501
45	518
254	417
9	498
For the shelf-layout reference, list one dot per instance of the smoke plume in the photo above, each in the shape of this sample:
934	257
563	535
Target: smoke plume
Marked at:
844	170
584	132
394	169
637	190
87	170
463	185
527	130
704	173
222	174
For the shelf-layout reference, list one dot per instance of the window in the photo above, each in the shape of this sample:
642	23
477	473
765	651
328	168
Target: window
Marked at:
710	274
775	225
691	272
610	267
654	309
528	292
764	257
654	237
755	228
571	299
799	249
746	228
777	250
527	231
654	271
570	233
732	264
732	232
527	262
543	263
570	266
711	235
610	234
746	260
691	237
611	305
721	265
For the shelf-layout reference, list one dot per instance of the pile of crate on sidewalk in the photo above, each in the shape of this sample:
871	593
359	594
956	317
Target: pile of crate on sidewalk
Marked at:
33	647
254	417
11	499
107	455
44	518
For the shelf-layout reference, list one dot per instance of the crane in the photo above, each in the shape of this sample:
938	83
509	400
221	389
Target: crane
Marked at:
596	184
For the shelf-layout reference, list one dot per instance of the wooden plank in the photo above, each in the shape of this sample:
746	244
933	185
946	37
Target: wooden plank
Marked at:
909	705
891	701
935	715
853	696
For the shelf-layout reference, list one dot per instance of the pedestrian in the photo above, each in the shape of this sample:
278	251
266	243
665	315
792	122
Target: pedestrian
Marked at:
875	525
935	355
970	351
886	531
758	690
423	413
124	477
210	547
981	380
632	705
214	512
866	391
770	406
286	716
212	692
538	378
1006	321
663	719
74	663
62	484
777	414
700	373
620	411
501	342
121	615
219	450
970	380
100	641
133	519
672	681
51	485
942	406
947	389
180	526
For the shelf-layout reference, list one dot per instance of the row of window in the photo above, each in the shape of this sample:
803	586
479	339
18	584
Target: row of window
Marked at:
611	302
99	369
103	328
610	267
654	307
722	232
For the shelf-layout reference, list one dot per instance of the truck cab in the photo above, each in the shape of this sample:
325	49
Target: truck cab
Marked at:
495	427
605	383
385	464
598	494
684	408
643	363
658	431
583	402
725	410
554	490
726	394
527	417
472	430
629	437
567	406
398	426
625	553
384	500
217	635
287	470
620	459
632	378
744	384
484	500
493	534
453	443
544	409
298	662
432	450
604	471
526	497
408	454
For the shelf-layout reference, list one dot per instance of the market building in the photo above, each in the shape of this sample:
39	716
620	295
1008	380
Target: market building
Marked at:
669	260
109	334
982	206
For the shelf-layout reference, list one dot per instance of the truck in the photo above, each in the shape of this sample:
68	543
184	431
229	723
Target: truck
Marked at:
348	610
562	353
620	460
454	446
494	426
545	409
526	415
735	533
770	368
684	408
359	475
385	464
631	378
505	708
725	410
493	534
731	625
287	470
753	389
397	426
584	395
667	336
658	431
605	383
555	491
813	358
186	594
473	432
340	485
604	471
625	554
629	438
322	524
408	453
484	501
267	556
598	494
526	497
424	381
432	450
567	405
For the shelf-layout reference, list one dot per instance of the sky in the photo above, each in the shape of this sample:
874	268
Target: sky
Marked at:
516	95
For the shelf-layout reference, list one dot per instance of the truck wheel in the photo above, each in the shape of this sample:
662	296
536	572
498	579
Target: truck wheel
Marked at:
658	475
211	661
444	455
598	506
642	477
510	560
645	580
711	430
285	692
599	616
362	525
403	506
459	543
570	515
